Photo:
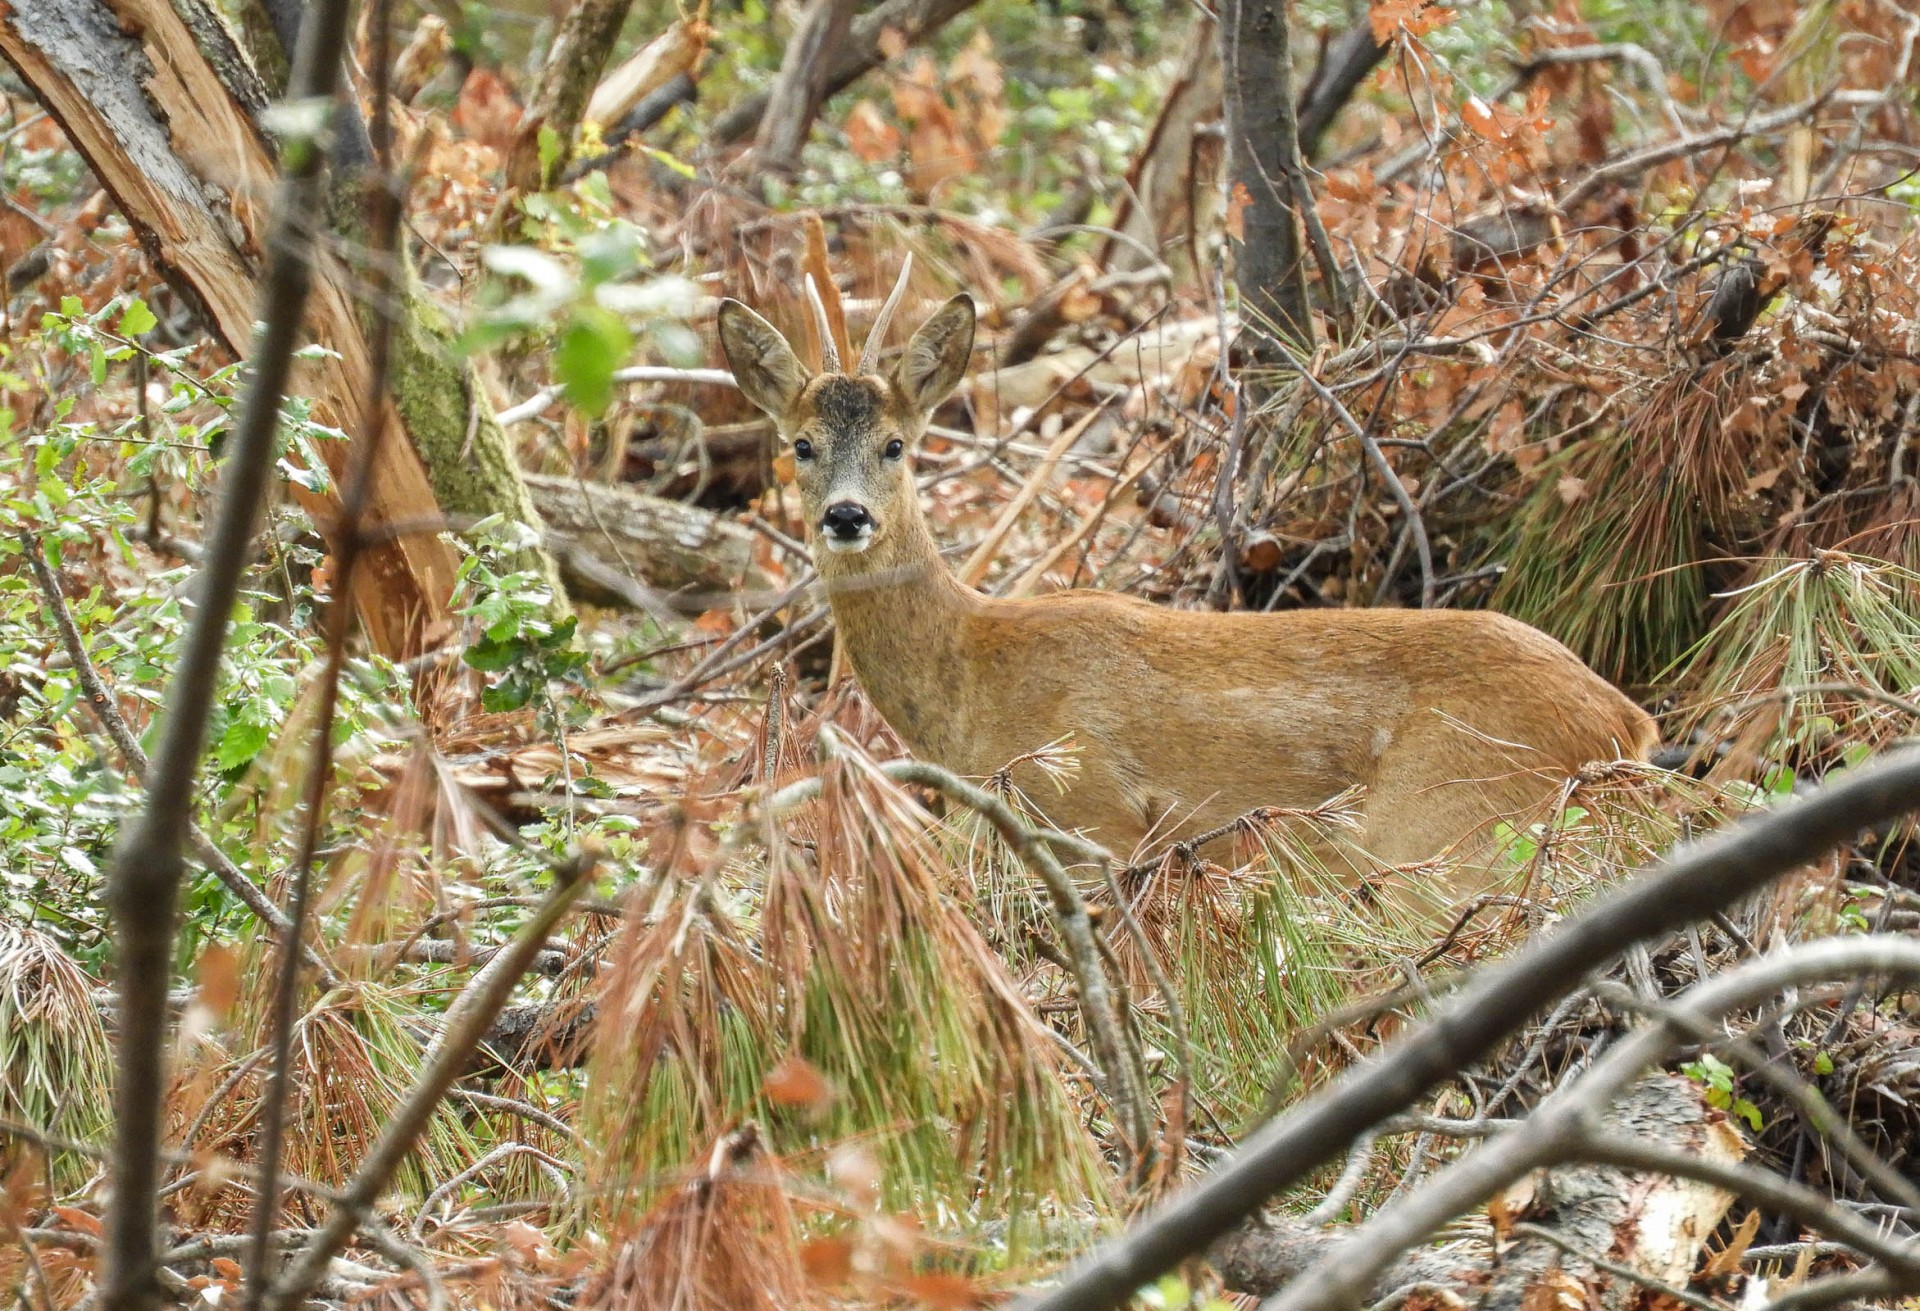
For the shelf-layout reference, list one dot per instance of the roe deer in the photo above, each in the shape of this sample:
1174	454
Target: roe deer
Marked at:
1184	720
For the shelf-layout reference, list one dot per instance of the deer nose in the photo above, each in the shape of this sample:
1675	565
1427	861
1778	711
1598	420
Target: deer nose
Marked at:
846	520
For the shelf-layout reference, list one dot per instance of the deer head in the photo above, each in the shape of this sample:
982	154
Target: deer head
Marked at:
849	433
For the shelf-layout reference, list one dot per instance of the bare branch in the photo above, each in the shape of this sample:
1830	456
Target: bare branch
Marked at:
1698	879
1565	1128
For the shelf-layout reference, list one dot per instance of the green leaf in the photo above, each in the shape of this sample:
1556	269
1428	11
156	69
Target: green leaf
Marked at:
549	150
509	694
1822	1063
99	369
240	743
591	347
492	656
137	319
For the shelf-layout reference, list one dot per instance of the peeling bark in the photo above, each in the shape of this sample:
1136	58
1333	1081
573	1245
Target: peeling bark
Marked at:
187	164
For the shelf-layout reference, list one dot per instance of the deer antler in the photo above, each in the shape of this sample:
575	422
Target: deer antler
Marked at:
870	354
829	350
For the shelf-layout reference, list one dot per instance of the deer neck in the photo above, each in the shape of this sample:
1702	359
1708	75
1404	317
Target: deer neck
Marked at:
902	620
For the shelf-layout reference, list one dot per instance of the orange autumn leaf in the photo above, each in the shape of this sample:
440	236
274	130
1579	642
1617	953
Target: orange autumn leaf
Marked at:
1415	17
795	1082
944	1292
827	1260
869	136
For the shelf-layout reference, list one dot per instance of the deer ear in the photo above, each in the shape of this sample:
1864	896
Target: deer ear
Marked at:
936	358
765	367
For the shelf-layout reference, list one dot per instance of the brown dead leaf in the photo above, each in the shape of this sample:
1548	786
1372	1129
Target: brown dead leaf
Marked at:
486	111
1555	1290
892	42
1571	489
869	136
945	1292
1510	1206
1727	1260
1415	17
219	978
1237	211
1080	303
79	1221
1357	185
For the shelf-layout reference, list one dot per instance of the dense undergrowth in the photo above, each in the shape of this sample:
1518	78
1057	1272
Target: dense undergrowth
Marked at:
857	992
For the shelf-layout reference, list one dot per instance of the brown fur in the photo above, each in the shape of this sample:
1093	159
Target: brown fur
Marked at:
1183	720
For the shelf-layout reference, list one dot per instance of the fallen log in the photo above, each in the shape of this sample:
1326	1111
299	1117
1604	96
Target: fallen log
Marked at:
605	537
1576	1235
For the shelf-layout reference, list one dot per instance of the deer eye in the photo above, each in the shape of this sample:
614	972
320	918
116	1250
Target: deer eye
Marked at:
894	448
803	449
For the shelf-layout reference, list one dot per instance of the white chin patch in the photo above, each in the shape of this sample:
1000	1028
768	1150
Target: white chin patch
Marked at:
854	544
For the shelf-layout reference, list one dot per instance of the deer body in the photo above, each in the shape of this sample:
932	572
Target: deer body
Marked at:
1182	720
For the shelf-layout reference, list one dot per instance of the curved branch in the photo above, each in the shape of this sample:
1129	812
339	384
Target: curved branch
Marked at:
1694	882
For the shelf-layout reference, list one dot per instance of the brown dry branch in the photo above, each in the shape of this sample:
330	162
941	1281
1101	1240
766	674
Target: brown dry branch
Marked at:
1577	1212
1697	880
386	190
1567	1127
913	21
799	90
574	62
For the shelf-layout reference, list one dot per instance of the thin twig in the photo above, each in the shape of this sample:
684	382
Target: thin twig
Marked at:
144	883
386	192
100	701
1416	525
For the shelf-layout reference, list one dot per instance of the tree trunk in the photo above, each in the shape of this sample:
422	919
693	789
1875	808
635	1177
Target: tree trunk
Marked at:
166	115
914	20
1174	175
579	55
802	85
1263	152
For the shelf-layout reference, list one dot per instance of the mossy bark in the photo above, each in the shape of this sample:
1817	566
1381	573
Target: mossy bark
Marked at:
469	460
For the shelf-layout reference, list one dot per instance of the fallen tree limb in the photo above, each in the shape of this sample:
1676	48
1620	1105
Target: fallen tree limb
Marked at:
1566	1127
600	535
1559	1227
1697	880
